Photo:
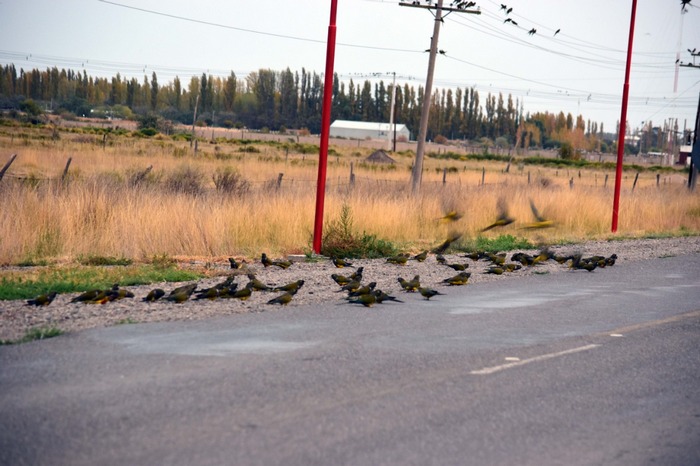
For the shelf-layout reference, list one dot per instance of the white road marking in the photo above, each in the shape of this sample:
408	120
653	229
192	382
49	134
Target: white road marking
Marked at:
615	334
491	370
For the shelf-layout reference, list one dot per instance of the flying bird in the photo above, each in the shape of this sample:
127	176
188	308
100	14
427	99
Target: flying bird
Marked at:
503	218
532	31
557	32
540	221
504	7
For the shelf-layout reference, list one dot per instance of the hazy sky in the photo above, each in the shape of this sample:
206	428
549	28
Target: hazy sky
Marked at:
580	70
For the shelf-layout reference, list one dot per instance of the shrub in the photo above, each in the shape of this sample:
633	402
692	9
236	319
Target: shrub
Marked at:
186	180
229	181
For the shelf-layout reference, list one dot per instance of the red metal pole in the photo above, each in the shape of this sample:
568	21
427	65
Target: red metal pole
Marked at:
623	123
325	129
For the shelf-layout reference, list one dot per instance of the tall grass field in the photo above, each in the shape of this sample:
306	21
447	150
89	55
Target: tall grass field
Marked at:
138	198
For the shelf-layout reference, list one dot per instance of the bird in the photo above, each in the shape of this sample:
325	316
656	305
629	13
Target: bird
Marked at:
475	255
340	263
357	274
411	285
421	257
210	293
504	7
282	299
351	286
282	264
428	293
243	293
290	287
557	32
495	269
154	295
121	293
523	258
257	284
497	259
512	267
540	221
234	264
458	267
532	31
459	279
366	300
382	296
86	296
503	218
509	10
399	259
341	280
447	243
610	261
266	262
42	299
440	259
451	216
367	289
187	289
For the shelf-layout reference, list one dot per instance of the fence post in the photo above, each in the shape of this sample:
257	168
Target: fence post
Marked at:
605	185
444	176
483	175
571	183
7	165
658	175
634	184
279	180
528	177
352	175
65	170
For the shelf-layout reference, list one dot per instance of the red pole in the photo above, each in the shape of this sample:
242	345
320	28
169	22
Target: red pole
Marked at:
623	123
325	129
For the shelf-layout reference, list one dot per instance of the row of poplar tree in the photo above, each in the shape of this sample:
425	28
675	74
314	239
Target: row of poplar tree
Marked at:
285	99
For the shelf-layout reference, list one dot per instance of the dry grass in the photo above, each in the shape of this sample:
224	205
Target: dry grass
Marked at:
176	211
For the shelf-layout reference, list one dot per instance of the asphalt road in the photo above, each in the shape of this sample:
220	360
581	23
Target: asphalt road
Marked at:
573	368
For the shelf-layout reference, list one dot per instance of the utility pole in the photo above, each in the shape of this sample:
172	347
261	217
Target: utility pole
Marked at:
417	172
391	115
695	152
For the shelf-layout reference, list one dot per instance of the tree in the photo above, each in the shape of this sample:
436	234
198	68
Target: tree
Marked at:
154	92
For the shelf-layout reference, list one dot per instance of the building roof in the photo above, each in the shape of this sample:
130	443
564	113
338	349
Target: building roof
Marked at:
379	156
366	125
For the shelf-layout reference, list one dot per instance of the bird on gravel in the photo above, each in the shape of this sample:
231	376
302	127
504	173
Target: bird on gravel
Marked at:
86	296
243	293
428	293
154	295
357	274
475	255
234	264
354	285
495	270
399	259
42	299
282	299
340	263
510	267
366	289
282	264
459	279
181	293
120	293
503	218
440	259
366	300
458	267
411	285
210	293
421	257
341	280
497	259
290	287
257	284
266	262
381	296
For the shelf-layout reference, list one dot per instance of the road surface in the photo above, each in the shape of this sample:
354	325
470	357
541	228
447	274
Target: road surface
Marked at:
574	368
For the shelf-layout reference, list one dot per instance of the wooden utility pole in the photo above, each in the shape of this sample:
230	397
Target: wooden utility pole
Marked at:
194	120
417	173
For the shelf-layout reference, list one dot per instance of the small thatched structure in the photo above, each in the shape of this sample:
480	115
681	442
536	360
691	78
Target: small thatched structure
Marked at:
379	156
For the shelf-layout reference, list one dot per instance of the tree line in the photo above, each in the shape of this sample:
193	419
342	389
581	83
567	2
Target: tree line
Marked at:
276	100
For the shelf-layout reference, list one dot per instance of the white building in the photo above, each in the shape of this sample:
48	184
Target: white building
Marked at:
363	130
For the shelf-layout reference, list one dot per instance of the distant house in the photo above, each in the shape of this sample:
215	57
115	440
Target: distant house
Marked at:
379	156
363	130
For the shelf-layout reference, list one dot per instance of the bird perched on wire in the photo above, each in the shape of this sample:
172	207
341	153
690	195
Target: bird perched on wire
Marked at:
540	221
283	299
154	295
340	263
459	279
447	243
410	285
428	293
503	218
290	287
42	299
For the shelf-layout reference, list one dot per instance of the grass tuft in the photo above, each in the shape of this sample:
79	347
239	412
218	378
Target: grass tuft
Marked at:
41	333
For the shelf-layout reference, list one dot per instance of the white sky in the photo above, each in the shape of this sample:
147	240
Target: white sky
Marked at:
580	70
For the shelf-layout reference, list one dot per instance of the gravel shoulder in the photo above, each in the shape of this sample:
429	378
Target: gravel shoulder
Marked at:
16	318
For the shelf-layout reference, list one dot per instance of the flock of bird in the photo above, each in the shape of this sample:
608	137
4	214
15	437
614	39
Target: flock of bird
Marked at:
357	292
